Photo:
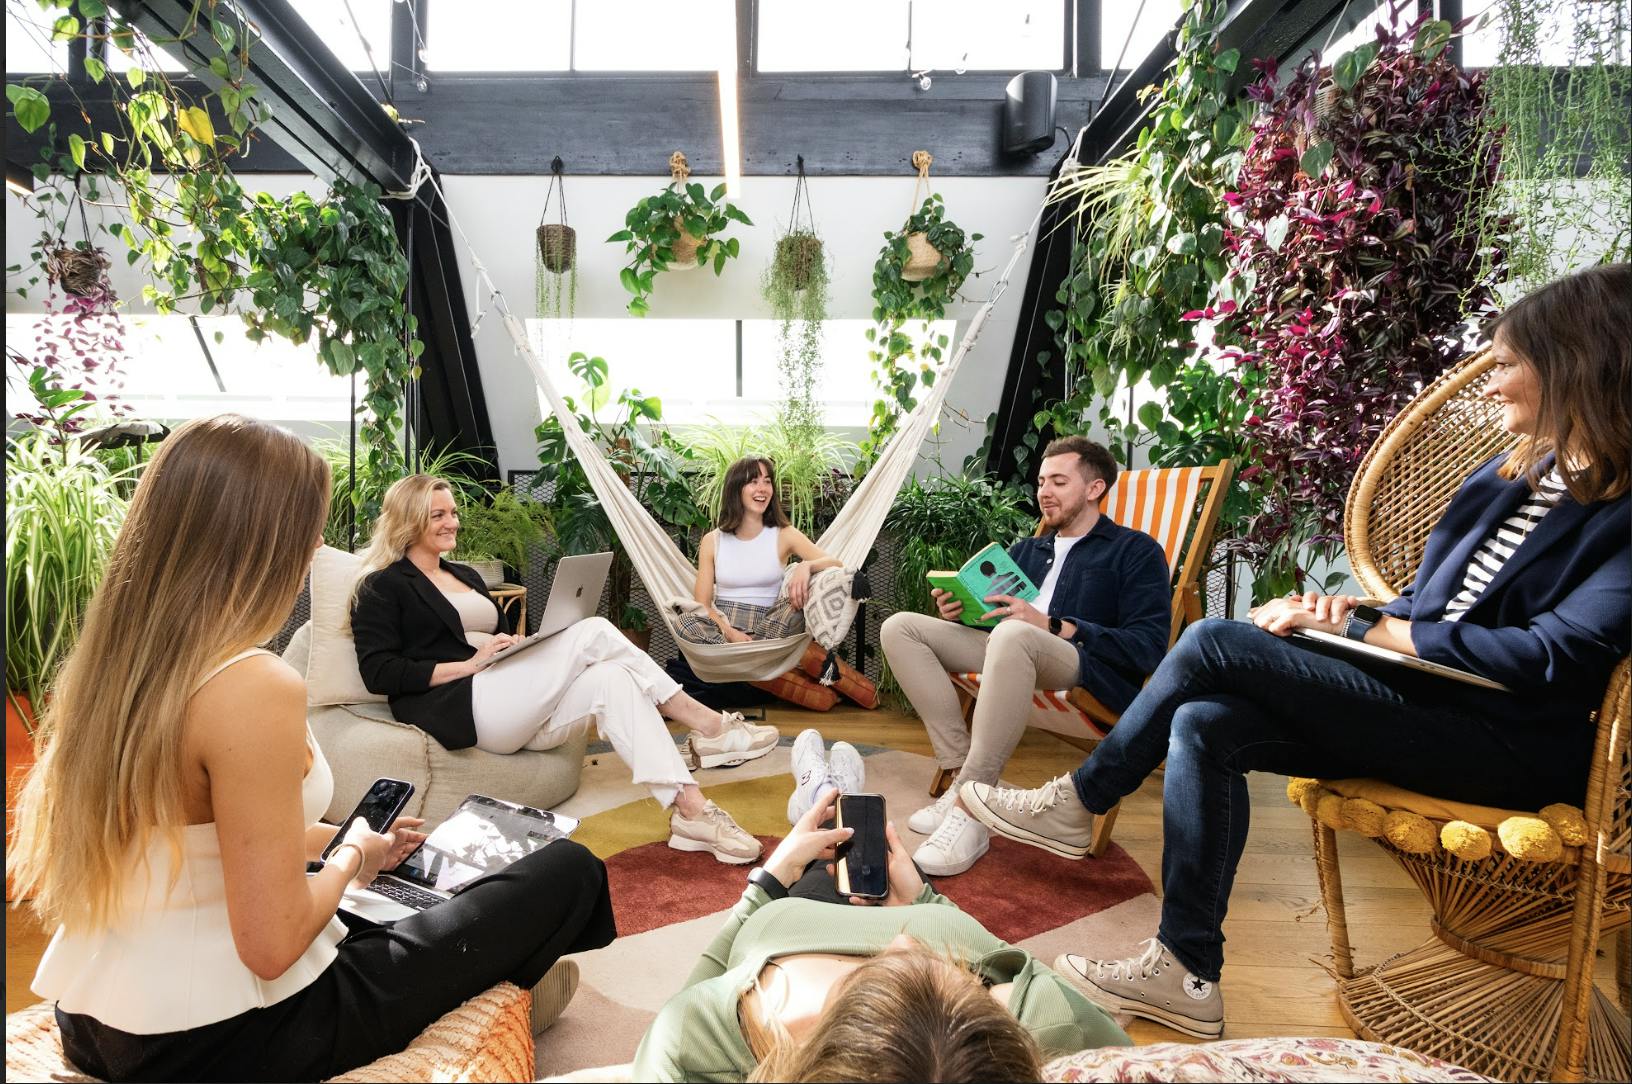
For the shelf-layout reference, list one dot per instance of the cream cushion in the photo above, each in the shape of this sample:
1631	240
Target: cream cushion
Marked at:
332	676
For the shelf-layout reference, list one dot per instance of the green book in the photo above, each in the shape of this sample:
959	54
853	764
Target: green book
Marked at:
990	572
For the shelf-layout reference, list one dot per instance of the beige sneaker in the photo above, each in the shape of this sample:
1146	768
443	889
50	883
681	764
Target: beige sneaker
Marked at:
1152	985
1050	817
713	831
737	743
552	993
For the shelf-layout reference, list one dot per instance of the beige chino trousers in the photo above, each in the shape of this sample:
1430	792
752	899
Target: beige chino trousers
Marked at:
1014	660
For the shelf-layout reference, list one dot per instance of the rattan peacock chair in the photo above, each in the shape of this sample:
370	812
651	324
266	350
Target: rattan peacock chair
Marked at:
1504	986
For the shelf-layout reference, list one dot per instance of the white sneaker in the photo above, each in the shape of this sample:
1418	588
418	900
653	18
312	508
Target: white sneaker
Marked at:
737	743
809	773
1152	985
954	847
845	769
929	818
713	831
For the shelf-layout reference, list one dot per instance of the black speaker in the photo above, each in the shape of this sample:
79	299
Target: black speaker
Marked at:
1028	113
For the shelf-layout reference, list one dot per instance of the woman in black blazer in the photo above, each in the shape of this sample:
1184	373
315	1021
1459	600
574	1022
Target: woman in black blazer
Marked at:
426	631
1526	580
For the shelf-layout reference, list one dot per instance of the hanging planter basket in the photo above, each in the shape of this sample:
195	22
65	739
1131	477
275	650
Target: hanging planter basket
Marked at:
685	249
799	257
557	248
922	258
76	271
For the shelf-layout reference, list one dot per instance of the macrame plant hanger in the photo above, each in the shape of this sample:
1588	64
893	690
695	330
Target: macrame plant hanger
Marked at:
801	203
555	261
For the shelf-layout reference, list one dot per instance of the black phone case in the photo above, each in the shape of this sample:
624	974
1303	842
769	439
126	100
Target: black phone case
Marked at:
402	803
842	853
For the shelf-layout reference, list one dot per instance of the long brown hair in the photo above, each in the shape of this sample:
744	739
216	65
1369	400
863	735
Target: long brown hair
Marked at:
739	474
1576	333
902	1016
209	561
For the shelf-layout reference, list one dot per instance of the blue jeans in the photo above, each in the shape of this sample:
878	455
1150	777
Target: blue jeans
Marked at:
1231	699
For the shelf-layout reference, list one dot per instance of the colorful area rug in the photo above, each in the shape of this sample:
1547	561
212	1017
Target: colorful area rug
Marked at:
669	903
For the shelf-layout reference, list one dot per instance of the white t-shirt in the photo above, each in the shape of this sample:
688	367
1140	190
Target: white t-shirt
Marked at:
1045	590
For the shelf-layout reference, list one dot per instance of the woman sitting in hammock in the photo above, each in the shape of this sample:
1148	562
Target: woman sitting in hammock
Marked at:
740	567
426	632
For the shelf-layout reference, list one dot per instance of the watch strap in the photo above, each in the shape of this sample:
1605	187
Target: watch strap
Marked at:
768	883
1054	625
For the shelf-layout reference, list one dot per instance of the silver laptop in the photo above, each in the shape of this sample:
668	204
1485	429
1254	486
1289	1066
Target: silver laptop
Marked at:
1398	658
482	836
574	595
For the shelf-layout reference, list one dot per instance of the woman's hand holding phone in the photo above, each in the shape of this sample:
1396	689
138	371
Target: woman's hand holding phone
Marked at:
374	848
407	841
905	883
807	841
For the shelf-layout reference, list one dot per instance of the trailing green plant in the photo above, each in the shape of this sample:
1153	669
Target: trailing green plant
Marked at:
505	526
1558	108
1148	247
64	508
805	459
795	287
364	488
659	231
298	267
649	462
901	361
555	253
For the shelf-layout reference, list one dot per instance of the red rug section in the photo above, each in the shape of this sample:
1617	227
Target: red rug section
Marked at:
1015	891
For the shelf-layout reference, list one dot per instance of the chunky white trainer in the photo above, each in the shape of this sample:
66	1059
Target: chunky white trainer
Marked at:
714	831
738	742
1152	985
553	992
954	846
809	773
845	769
1050	816
929	818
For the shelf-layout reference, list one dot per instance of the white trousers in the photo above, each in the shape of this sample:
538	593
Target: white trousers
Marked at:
586	674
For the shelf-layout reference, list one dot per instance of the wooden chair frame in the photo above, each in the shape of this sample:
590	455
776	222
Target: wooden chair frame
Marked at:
1504	986
1186	607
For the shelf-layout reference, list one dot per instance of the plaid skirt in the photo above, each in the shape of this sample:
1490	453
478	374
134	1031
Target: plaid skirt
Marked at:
760	622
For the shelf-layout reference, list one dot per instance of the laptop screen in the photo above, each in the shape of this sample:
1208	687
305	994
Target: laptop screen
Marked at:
483	835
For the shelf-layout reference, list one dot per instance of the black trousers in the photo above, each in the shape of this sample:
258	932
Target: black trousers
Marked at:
386	985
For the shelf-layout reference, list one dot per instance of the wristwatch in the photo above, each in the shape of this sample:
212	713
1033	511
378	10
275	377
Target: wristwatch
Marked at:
1054	624
1361	620
767	881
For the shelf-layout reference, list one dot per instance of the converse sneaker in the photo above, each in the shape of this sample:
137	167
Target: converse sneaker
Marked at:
954	846
1050	817
1152	985
713	831
929	818
809	773
738	742
845	769
552	993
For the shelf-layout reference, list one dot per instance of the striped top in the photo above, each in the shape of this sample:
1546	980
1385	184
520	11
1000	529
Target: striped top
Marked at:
1489	558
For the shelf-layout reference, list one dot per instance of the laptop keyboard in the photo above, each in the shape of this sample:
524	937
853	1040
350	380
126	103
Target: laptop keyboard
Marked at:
406	894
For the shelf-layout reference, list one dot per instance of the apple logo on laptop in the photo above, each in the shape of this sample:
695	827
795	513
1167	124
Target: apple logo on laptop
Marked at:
579	593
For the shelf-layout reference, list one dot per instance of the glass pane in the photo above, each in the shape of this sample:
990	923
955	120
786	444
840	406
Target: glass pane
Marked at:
834	36
640	356
498	35
652	35
29	47
333	24
844	387
1557	39
1363	32
1116	22
976	35
151	57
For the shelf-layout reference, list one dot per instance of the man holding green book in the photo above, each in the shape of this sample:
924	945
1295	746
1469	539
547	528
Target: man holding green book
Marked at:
1099	619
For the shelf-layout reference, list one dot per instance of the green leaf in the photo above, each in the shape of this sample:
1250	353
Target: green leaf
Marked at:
1351	66
219	67
95	69
1432	39
1150	415
1228	60
1275	232
65	28
1182	244
223	35
76	149
29	106
1316	159
135	76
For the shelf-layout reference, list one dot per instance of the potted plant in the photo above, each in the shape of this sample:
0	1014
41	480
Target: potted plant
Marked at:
677	229
805	462
795	287
555	271
501	531
357	485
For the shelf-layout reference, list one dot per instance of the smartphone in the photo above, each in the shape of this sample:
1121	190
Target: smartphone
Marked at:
863	860
380	807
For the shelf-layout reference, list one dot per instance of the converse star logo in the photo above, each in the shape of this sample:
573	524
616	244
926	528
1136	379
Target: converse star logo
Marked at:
1197	989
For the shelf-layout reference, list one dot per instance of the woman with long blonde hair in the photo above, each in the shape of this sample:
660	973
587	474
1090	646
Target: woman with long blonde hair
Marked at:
427	630
166	827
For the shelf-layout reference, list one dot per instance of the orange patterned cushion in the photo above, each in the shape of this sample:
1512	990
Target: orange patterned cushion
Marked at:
799	688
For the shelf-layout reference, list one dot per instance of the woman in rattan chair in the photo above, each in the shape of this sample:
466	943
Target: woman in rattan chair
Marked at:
1526	581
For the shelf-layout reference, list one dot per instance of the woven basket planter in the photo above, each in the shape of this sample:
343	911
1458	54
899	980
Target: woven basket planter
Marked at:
922	258
685	249
557	247
799	255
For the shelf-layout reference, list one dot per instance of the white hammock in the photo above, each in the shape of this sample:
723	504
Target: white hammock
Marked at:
670	578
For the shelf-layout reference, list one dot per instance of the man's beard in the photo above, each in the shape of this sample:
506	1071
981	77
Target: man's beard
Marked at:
1064	514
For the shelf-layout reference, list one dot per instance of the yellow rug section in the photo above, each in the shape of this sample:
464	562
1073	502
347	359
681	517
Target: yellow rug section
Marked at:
759	805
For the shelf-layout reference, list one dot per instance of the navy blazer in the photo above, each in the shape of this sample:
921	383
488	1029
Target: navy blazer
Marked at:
403	626
1115	588
1555	619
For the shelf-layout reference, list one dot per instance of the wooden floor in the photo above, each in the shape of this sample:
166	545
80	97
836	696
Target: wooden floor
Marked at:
1273	983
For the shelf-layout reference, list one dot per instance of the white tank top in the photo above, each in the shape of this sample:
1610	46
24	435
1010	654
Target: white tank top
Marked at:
747	571
168	962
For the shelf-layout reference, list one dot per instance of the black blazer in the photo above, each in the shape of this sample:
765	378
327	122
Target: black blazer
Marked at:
403	626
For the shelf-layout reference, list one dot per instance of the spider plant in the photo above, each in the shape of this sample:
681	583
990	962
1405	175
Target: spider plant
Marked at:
805	459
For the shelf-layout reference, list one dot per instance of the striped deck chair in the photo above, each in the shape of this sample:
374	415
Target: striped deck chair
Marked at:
1178	506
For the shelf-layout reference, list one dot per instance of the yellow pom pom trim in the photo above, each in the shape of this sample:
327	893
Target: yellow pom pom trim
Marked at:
1568	822
1467	841
1410	832
1310	799
1364	816
1530	839
1329	810
1297	786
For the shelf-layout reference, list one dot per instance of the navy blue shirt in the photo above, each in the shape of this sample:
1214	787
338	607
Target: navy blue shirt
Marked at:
1116	590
